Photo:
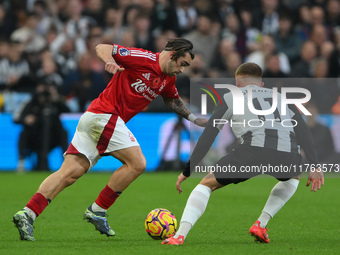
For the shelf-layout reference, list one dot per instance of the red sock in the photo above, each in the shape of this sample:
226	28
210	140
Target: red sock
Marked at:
37	203
106	197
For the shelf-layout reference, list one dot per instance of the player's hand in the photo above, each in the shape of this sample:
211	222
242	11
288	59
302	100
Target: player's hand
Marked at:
201	122
315	176
113	67
181	178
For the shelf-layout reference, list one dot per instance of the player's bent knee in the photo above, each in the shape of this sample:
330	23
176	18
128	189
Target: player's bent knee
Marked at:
211	183
138	166
141	167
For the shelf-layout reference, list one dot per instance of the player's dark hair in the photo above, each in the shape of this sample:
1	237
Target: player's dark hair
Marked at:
180	46
249	69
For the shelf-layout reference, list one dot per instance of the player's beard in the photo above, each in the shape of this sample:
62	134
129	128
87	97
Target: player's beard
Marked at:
171	68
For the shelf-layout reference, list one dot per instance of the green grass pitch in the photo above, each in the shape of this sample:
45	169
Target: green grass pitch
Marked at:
308	224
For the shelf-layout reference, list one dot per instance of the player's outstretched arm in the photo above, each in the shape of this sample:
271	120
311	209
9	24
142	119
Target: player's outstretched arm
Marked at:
104	53
315	177
305	139
178	106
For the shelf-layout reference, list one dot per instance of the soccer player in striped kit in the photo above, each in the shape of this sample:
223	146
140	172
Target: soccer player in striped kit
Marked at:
139	77
267	143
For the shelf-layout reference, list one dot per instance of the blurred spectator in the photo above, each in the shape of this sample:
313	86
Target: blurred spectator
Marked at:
14	68
45	20
268	47
234	31
294	5
77	24
326	49
182	17
324	91
95	10
225	48
333	13
95	37
112	25
128	39
272	69
43	130
83	85
7	21
48	73
303	26
197	68
253	35
322	136
4	48
319	36
223	8
66	52
333	61
142	32
286	39
233	61
28	35
266	19
303	67
317	15
320	68
202	36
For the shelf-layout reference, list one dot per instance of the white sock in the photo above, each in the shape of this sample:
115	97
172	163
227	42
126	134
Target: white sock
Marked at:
279	195
30	213
195	207
97	208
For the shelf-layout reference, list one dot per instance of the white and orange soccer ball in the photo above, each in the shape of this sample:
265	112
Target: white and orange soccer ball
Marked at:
160	224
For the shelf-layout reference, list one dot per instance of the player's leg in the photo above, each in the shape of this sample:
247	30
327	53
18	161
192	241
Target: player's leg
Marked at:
74	166
195	207
281	192
134	164
279	195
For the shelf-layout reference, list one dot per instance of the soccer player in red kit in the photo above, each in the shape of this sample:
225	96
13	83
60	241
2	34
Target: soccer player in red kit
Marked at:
139	77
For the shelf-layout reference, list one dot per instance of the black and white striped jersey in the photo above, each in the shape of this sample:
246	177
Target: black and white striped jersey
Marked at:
276	131
273	131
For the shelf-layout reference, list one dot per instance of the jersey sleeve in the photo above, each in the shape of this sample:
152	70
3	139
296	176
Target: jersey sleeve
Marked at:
303	136
170	90
132	57
206	139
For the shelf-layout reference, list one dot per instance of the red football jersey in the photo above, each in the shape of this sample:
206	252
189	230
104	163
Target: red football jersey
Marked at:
130	91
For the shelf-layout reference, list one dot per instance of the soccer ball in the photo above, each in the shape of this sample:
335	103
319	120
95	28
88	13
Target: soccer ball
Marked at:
160	224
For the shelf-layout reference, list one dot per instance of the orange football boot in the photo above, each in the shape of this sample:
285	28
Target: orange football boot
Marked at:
259	233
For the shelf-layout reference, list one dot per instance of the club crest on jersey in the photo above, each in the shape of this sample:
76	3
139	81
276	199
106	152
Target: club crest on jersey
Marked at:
124	52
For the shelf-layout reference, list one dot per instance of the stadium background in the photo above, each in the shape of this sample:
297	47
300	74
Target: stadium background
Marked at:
55	53
52	42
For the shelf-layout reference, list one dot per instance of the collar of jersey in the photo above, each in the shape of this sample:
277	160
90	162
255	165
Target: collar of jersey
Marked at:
158	68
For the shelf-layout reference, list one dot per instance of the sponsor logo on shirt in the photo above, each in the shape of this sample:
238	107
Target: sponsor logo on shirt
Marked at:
124	52
162	86
142	88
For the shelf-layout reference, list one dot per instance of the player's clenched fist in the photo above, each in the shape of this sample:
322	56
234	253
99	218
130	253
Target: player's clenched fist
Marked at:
113	67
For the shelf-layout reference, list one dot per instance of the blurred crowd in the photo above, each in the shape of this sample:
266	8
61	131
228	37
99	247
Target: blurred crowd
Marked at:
52	42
